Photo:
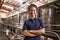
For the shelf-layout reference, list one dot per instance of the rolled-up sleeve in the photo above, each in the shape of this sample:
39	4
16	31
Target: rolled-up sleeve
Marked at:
24	26
42	23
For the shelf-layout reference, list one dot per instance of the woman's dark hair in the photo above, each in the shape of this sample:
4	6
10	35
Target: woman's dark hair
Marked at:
32	5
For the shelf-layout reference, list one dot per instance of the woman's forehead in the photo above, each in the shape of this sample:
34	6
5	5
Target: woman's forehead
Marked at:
32	8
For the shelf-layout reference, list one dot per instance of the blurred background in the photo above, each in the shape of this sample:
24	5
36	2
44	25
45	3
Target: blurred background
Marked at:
13	13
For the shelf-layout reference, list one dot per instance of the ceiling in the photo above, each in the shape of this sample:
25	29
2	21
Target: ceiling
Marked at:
13	7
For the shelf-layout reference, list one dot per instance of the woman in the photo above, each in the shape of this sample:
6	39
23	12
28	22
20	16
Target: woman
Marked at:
33	27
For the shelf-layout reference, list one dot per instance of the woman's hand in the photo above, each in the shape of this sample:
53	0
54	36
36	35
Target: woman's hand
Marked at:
37	32
27	33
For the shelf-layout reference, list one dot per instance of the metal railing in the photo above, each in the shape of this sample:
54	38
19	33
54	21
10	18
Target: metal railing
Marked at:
51	34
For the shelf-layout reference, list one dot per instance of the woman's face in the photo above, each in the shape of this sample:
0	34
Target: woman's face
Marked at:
32	12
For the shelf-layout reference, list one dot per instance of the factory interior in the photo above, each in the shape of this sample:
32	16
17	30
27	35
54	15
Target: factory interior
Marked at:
13	13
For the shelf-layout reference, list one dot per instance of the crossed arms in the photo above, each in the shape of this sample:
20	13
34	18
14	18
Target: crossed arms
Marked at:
31	33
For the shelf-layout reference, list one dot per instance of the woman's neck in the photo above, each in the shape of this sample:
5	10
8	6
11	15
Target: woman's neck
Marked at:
32	17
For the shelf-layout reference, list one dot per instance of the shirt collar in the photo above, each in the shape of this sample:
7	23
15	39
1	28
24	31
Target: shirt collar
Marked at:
32	19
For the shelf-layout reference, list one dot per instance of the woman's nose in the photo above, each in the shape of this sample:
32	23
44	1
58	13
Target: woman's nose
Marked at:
33	12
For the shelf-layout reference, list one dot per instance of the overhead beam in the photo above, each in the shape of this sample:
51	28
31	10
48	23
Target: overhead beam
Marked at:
48	4
57	5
